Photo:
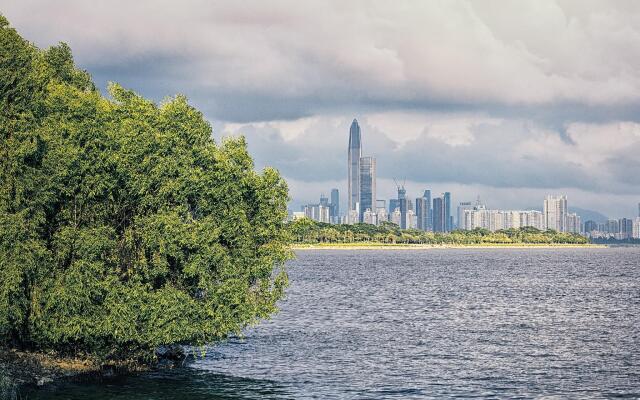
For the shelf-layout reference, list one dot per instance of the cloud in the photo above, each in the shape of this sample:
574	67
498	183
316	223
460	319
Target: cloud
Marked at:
248	61
519	97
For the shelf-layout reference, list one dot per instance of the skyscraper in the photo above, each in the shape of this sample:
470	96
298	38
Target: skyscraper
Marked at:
367	185
626	229
353	178
439	219
402	204
448	222
429	216
421	213
393	204
335	205
555	213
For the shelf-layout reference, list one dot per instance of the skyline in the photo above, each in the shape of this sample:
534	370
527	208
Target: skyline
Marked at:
495	107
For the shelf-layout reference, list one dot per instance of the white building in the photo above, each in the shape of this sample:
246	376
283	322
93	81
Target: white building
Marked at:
382	215
396	216
369	217
636	228
555	213
412	220
354	215
462	207
317	212
573	224
494	220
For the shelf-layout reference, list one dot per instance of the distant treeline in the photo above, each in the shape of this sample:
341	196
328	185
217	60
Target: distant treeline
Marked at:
309	232
615	241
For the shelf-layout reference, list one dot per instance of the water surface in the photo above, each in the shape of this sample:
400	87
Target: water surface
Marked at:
430	323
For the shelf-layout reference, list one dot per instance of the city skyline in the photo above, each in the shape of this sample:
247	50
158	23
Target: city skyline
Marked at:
541	111
558	213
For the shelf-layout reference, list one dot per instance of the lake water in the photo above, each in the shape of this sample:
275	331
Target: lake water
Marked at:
425	324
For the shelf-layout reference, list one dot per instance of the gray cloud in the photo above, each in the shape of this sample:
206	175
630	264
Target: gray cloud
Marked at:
258	61
526	96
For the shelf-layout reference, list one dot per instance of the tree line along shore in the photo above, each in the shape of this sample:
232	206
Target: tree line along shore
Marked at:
308	232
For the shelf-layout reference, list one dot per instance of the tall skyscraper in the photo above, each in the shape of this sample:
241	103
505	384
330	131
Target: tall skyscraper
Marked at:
353	178
421	213
555	213
429	216
402	204
367	185
335	205
447	211
439	218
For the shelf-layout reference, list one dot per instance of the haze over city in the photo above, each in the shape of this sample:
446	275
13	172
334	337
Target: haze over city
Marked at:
509	101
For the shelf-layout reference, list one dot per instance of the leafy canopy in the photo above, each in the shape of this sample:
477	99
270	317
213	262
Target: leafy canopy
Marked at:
123	225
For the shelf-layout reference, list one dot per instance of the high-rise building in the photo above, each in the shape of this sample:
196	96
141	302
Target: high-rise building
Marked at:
590	226
367	185
316	212
396	216
369	217
324	200
421	213
636	228
555	213
626	229
353	178
612	226
465	205
335	205
447	211
411	220
439	215
381	211
402	204
573	224
393	204
429	214
493	220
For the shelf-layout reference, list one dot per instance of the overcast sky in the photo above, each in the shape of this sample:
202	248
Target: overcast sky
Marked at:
509	100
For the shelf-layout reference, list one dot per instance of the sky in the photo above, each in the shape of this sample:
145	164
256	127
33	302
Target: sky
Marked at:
507	100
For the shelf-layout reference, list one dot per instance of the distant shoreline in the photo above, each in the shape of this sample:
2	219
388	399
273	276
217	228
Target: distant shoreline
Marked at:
387	246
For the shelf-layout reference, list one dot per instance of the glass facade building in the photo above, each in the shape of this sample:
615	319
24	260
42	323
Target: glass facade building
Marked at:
353	178
367	185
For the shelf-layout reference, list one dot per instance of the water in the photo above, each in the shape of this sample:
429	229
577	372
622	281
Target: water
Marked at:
425	324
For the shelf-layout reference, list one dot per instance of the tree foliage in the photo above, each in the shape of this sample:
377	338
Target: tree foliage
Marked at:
123	225
309	232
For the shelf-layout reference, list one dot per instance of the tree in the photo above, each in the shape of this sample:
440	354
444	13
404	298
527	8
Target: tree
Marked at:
123	225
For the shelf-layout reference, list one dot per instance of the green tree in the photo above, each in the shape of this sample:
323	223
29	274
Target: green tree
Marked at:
123	225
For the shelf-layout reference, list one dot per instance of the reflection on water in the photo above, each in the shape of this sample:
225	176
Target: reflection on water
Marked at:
183	383
419	324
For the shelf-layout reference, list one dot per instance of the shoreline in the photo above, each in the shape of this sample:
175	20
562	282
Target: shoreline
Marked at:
390	246
22	369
